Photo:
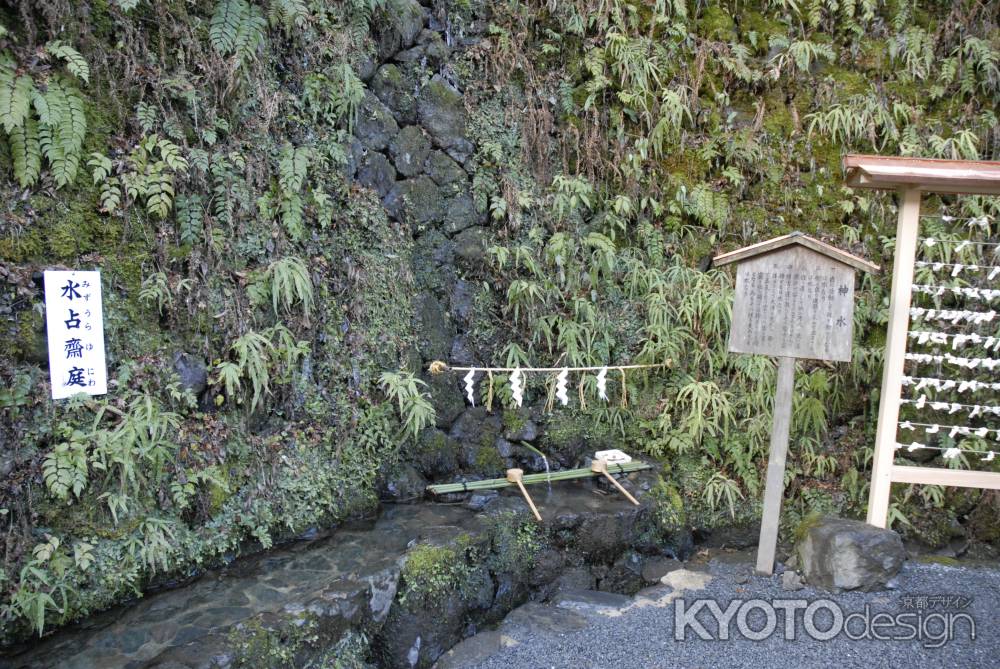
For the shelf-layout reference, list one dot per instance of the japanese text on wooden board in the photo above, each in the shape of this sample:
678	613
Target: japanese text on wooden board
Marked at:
794	303
75	325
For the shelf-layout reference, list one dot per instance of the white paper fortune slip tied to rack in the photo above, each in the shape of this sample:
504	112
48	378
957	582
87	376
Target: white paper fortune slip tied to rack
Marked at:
75	324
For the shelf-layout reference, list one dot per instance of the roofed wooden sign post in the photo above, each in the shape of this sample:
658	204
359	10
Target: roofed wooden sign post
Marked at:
794	299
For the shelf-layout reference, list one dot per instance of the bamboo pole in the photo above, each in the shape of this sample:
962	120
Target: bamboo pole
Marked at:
601	467
516	476
528	479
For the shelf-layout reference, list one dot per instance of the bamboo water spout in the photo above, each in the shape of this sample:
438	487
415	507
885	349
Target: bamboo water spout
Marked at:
601	467
516	476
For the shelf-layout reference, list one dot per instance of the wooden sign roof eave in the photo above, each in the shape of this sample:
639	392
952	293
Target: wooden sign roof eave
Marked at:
934	175
795	238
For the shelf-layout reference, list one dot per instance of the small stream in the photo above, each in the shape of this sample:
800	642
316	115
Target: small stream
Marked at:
281	580
347	579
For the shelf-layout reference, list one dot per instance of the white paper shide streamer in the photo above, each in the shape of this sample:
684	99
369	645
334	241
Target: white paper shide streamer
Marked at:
602	383
469	387
561	387
516	387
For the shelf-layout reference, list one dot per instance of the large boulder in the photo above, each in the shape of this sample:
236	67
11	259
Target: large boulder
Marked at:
838	554
395	88
447	398
403	484
460	213
433	327
470	246
443	170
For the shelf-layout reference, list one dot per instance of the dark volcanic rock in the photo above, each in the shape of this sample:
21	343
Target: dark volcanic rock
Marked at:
447	398
436	454
625	575
443	170
476	427
395	90
460	213
470	246
462	300
404	19
433	327
405	484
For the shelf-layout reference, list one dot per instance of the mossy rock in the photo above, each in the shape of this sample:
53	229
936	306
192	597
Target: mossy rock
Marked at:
716	24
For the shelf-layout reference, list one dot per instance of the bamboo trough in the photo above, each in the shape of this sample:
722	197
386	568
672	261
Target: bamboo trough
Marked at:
515	477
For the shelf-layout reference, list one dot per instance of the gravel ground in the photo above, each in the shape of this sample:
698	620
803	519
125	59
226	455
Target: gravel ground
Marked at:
637	636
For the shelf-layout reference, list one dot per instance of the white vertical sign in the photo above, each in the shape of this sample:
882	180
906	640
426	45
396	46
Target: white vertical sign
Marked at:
75	324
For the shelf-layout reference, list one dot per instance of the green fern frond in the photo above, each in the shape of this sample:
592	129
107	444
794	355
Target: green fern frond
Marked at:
171	155
159	193
293	166
237	27
190	218
290	283
147	115
26	152
15	98
75	63
288	14
250	35
100	167
226	20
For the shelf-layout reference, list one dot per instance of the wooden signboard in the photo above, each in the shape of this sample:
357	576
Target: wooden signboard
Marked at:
793	303
794	299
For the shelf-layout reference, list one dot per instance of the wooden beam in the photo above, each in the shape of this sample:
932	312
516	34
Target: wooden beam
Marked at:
895	352
774	488
980	177
963	478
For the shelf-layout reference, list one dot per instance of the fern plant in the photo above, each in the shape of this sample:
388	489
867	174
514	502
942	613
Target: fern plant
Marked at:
47	121
65	468
258	357
148	175
237	28
290	284
415	408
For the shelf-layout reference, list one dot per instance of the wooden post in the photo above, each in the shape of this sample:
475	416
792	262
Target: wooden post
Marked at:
774	488
601	467
515	476
895	351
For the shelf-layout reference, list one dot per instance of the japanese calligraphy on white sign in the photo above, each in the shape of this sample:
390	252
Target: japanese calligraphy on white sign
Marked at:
75	325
